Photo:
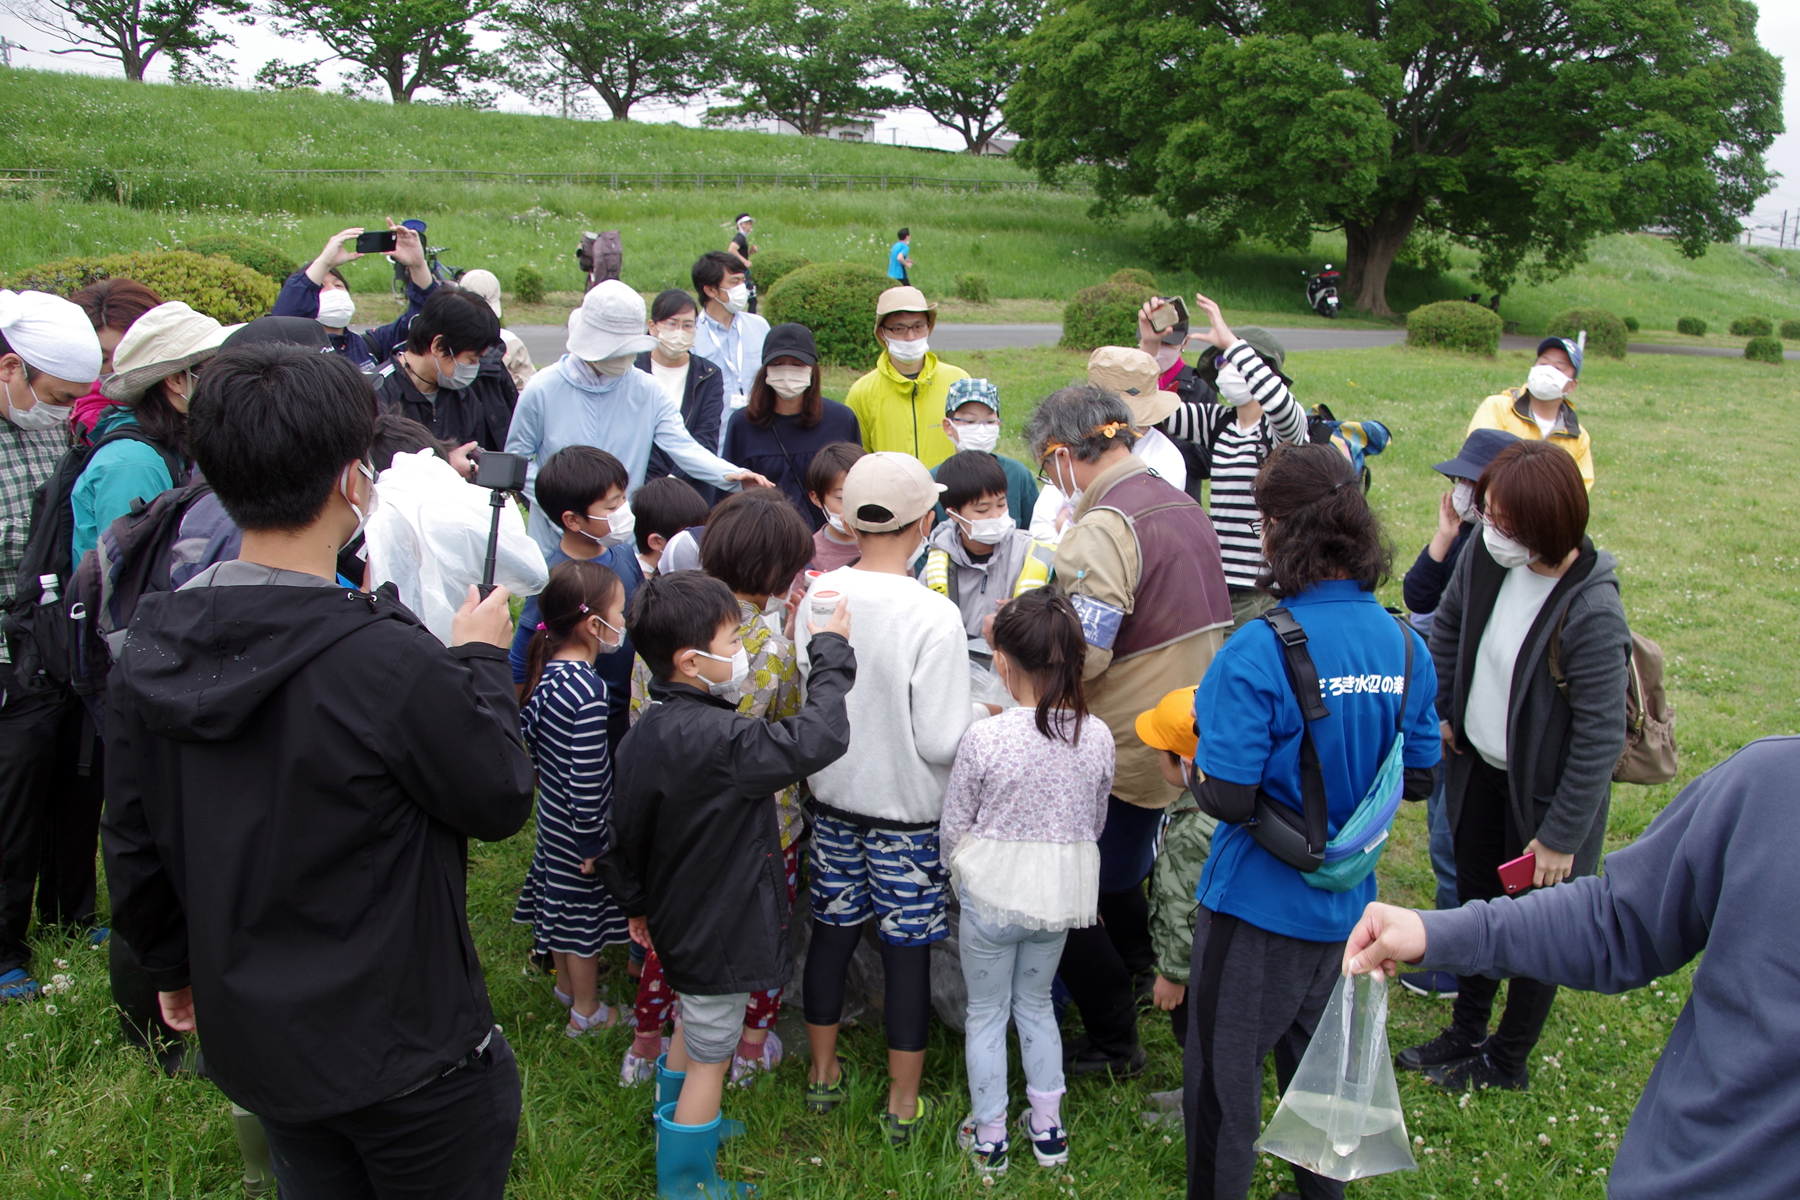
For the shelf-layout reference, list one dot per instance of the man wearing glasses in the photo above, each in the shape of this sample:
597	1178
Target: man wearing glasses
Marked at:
901	403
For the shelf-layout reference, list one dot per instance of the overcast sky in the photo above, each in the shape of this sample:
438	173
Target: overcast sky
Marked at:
1778	30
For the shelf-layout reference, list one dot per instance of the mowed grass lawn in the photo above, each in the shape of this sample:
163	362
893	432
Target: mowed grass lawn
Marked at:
1695	459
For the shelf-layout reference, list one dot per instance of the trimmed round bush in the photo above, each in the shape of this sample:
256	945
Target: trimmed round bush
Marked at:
1790	331
1606	333
837	302
1104	315
222	290
1752	327
1691	326
265	258
770	267
1455	325
1632	324
974	288
1132	275
1763	349
528	285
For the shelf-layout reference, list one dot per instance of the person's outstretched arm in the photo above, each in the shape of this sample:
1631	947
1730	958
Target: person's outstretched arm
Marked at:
769	755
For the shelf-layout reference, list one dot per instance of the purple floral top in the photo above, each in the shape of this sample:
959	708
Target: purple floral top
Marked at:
1012	784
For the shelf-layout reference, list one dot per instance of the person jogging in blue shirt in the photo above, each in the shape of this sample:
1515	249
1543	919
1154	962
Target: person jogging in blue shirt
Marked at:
900	258
1263	928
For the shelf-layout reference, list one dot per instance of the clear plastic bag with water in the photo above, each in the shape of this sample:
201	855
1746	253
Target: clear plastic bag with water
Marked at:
1341	1117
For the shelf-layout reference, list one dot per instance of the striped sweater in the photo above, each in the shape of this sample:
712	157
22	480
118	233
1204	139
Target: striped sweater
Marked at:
1238	454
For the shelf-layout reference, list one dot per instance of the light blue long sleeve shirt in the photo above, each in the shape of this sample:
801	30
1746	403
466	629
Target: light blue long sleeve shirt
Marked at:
738	351
569	404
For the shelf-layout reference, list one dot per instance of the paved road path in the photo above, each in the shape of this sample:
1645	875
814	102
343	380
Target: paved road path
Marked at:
546	341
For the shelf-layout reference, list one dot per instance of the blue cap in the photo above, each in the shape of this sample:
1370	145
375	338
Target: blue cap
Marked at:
1477	452
966	389
1570	345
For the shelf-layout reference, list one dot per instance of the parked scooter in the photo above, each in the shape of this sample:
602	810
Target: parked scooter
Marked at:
1322	291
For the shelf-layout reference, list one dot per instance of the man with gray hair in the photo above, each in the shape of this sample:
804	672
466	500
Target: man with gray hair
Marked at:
1142	564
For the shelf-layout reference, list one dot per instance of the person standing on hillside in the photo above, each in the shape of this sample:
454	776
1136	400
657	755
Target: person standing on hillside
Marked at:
741	249
320	291
900	258
728	333
902	402
1543	410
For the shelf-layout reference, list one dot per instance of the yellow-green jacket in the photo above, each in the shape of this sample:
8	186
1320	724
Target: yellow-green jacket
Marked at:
907	415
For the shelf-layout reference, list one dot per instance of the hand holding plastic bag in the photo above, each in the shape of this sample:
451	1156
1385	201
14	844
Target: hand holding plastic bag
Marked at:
1340	1117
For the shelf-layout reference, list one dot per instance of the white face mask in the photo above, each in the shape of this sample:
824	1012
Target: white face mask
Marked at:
740	673
1546	382
1069	489
617	644
676	342
907	352
737	299
460	377
613	368
1232	385
836	521
336	308
788	382
987	531
349	493
40	416
1504	550
1462	499
982	437
1167	356
621	525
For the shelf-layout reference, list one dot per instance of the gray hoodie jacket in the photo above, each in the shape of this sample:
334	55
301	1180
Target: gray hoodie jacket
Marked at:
976	586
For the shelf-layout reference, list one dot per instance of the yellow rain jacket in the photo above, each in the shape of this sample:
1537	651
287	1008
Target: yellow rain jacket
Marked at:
907	415
1511	411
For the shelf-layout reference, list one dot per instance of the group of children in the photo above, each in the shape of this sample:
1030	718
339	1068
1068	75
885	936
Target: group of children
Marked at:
887	765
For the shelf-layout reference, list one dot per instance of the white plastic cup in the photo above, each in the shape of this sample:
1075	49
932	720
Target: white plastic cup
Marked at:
824	604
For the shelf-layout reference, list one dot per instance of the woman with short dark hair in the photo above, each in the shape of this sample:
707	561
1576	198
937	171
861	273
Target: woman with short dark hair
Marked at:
693	382
788	419
1270	927
1530	746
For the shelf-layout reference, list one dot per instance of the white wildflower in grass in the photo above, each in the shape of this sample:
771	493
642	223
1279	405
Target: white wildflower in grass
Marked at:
1543	1139
50	1010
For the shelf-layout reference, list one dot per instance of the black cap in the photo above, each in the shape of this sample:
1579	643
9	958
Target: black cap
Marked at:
793	341
291	331
1477	452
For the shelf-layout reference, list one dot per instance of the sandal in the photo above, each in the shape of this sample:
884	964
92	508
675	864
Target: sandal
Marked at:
823	1097
605	1017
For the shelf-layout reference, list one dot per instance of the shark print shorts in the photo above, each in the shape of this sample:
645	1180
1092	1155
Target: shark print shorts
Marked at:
893	875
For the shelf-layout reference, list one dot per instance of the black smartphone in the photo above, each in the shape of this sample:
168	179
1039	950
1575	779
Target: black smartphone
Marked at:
376	241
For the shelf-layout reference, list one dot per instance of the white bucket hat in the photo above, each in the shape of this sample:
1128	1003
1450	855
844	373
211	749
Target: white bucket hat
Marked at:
483	283
609	323
165	341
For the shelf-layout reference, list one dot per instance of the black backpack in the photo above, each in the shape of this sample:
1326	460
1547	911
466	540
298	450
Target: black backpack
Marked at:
42	624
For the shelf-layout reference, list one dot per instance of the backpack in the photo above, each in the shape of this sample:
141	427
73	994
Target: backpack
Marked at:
1650	755
1359	440
43	622
602	256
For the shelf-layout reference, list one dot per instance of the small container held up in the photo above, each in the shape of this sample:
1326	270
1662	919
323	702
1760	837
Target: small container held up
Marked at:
1340	1117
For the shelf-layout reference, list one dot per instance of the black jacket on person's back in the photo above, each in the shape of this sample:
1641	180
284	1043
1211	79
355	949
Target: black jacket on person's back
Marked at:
695	845
291	777
479	413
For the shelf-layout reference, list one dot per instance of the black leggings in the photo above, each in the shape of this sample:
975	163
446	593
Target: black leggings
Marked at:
908	992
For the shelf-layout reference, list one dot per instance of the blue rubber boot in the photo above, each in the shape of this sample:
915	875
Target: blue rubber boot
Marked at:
687	1161
668	1091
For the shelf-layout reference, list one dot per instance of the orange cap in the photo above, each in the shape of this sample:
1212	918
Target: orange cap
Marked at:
1170	725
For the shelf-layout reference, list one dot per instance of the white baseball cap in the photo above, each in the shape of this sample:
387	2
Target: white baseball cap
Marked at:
888	490
609	323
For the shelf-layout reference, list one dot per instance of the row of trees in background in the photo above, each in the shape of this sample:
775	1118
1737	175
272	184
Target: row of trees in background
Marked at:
1523	129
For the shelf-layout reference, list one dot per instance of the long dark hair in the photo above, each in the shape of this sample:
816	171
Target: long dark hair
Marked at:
1317	524
1041	634
578	589
161	421
759	410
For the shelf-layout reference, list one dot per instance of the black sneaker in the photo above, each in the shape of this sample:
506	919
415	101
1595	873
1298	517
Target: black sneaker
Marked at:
1478	1073
1088	1060
1446	1049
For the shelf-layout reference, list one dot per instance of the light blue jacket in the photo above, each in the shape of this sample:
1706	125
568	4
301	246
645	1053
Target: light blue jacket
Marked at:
118	473
570	404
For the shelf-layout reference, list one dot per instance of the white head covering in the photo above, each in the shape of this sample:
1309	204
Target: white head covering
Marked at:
609	323
165	341
51	334
483	283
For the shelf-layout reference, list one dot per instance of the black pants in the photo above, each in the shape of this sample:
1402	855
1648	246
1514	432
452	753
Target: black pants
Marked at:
450	1140
1486	836
49	816
1101	963
1250	993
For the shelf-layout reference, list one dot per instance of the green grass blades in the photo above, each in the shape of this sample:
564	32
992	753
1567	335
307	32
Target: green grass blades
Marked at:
1692	457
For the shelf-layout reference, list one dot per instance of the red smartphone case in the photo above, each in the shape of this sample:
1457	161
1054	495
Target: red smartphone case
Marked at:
1516	876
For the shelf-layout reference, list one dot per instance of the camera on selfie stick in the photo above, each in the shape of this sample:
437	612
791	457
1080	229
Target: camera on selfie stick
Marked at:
500	474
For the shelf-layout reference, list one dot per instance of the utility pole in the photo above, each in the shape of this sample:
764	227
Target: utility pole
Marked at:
7	46
1783	242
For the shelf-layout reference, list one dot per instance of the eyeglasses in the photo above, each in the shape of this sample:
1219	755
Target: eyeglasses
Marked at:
908	331
1050	449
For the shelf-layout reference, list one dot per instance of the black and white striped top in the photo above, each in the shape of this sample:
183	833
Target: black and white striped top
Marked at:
1238	454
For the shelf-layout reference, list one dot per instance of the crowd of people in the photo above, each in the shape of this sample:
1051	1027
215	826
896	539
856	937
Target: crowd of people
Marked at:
778	655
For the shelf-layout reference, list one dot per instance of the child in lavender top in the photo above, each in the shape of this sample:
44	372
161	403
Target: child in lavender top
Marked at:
1021	822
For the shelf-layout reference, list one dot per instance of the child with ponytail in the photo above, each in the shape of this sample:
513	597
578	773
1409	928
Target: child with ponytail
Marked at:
1022	820
564	722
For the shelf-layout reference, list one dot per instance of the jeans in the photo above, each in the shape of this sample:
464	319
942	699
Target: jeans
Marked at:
1443	846
1008	972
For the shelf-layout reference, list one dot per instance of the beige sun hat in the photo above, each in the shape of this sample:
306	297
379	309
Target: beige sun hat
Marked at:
1133	375
483	283
888	482
904	299
165	341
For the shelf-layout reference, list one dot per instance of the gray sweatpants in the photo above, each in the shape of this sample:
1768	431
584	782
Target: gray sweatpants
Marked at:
1250	992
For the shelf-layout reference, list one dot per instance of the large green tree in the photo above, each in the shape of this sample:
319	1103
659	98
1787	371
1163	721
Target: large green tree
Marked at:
807	62
405	45
131	33
958	58
626	51
1522	128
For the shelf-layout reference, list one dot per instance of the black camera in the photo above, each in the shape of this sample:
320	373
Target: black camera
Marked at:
501	473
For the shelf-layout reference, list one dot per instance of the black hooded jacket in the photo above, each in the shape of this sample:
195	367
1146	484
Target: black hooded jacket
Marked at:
291	776
695	846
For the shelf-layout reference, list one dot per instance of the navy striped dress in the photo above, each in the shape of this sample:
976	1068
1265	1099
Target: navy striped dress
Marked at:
564	723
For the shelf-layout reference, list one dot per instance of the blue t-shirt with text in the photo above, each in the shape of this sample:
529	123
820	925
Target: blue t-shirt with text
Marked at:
1250	724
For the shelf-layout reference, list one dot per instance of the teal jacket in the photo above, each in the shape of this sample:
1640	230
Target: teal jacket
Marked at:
118	473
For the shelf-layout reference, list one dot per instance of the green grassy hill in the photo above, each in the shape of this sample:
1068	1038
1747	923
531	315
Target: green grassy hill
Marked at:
153	165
